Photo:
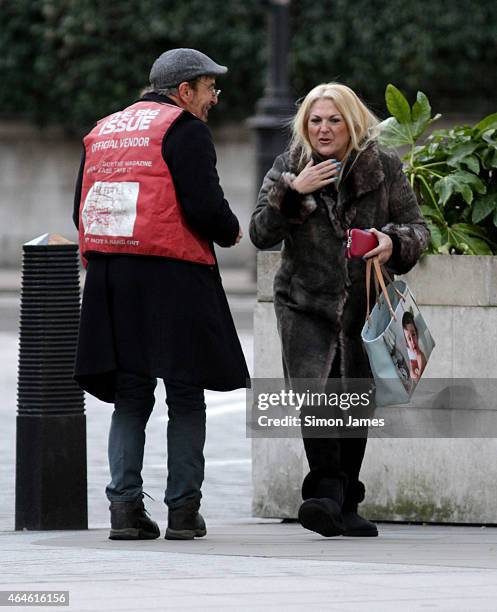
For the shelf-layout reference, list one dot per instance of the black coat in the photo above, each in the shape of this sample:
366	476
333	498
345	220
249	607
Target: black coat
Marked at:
160	317
319	295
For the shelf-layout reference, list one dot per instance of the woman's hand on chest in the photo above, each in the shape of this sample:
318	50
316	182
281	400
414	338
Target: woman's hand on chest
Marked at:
316	176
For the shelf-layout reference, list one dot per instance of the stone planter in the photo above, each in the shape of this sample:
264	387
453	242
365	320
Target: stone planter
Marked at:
428	479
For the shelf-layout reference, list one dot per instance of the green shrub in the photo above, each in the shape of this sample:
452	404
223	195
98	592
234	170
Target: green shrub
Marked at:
453	173
71	61
446	48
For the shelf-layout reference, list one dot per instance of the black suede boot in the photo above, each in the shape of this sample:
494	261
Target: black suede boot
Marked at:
322	509
129	521
185	523
357	526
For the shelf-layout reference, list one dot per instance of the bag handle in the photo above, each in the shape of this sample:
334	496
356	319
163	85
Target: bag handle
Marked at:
374	261
389	279
377	289
368	286
379	275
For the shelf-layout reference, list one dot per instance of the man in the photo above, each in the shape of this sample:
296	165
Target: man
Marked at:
149	207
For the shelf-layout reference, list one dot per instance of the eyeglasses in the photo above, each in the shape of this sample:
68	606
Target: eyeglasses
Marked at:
212	88
215	92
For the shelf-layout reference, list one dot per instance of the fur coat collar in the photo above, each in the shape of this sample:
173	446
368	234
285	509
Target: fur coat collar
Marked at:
362	173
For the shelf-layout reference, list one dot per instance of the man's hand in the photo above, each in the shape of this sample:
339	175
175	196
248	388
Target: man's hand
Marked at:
317	176
384	248
239	237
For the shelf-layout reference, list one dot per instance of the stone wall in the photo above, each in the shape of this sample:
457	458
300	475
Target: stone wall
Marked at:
437	480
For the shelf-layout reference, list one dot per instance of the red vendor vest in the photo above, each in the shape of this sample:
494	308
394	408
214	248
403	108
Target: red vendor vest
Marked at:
128	201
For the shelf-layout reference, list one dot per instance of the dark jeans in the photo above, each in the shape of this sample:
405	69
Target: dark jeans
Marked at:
185	439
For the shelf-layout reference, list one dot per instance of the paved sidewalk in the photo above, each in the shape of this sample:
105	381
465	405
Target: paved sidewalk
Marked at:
243	563
260	565
227	486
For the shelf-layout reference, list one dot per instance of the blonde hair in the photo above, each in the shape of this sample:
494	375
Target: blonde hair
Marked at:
361	122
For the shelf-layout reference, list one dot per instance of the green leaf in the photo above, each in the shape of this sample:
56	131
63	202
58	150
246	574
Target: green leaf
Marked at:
483	207
430	212
495	218
471	230
466	242
459	182
461	151
490	137
435	235
393	134
397	104
472	163
438	239
489	158
478	247
475	181
421	109
421	114
487	123
446	186
467	193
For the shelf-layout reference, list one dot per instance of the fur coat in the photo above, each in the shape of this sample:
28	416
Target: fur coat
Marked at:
319	295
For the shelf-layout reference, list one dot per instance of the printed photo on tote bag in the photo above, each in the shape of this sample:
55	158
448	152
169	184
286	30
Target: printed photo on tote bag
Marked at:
397	340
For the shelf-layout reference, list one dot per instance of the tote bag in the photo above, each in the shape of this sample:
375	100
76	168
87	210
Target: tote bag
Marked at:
396	338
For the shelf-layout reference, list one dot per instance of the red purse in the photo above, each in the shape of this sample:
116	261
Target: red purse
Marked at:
360	242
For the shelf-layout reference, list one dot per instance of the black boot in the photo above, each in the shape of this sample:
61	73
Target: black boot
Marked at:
357	526
322	509
129	521
185	522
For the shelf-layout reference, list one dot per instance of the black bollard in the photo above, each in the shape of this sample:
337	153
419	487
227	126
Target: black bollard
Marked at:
51	486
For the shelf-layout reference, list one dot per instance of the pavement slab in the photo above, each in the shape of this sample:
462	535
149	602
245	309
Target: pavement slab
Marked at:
243	563
252	564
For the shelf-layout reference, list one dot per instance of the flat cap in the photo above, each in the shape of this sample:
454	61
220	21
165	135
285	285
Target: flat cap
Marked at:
178	65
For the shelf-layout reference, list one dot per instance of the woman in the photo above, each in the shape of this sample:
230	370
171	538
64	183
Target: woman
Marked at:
333	177
417	359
